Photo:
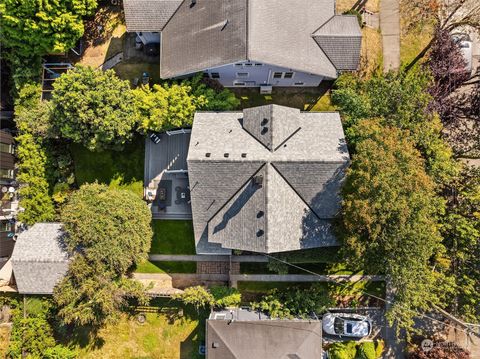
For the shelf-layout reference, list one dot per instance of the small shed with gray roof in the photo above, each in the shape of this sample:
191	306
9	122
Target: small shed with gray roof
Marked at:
39	258
266	179
250	42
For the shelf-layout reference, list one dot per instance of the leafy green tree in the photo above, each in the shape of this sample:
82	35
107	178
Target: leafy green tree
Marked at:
343	350
110	226
91	294
32	334
60	352
94	108
108	233
36	28
165	107
197	296
226	296
401	100
461	231
390	219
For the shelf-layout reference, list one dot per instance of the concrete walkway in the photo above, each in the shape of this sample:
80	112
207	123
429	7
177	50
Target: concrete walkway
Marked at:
390	28
206	258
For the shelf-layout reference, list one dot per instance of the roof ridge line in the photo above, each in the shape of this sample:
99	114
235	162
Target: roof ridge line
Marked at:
296	192
230	198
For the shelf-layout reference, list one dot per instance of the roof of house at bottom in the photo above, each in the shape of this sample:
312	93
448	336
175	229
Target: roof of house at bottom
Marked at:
266	179
39	258
266	339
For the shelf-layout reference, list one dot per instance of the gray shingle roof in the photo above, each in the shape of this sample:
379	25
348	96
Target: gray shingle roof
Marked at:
148	15
266	339
39	258
210	34
341	40
293	207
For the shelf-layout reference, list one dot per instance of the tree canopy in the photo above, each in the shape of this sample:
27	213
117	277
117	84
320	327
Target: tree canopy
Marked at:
390	218
94	108
110	226
36	28
108	232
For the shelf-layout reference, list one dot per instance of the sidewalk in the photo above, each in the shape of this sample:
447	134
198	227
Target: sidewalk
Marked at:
390	28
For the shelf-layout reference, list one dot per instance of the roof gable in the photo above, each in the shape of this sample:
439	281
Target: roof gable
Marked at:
149	15
341	40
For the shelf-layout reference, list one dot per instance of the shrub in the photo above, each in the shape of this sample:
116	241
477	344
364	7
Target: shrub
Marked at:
226	296
379	347
343	350
59	352
197	296
295	302
366	350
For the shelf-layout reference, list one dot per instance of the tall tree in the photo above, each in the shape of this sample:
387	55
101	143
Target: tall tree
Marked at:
461	231
446	15
108	232
35	28
165	107
390	218
94	108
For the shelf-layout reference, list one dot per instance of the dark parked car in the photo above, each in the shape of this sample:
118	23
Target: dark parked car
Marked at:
152	49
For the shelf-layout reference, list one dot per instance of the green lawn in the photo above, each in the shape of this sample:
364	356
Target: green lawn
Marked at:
166	267
172	237
119	169
305	99
158	337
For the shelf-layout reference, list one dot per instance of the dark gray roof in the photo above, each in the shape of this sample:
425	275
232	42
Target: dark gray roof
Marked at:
148	15
277	32
209	34
299	192
266	339
341	40
39	258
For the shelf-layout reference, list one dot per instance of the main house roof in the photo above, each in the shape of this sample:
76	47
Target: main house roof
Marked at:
266	179
214	33
39	258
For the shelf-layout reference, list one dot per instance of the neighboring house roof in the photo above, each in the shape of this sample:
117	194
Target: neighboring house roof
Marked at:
214	33
341	40
39	258
149	15
265	180
266	339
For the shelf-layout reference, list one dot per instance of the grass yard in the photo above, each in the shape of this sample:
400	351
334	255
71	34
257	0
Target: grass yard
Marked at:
166	267
371	59
118	169
128	70
305	99
157	338
172	237
345	5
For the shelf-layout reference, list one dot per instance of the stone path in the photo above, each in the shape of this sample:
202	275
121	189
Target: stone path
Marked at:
390	28
111	62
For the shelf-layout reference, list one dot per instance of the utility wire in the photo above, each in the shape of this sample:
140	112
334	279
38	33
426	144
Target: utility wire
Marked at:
369	294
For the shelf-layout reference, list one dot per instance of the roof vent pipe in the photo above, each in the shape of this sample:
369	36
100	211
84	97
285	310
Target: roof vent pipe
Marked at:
192	4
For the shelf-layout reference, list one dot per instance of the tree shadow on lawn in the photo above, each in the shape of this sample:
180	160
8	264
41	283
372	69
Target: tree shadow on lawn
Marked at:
118	169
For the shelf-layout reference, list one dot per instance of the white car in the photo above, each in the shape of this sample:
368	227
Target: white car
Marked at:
465	44
347	325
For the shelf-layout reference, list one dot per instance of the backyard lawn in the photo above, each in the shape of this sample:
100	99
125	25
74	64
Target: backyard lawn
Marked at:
172	237
119	169
305	99
166	267
158	337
